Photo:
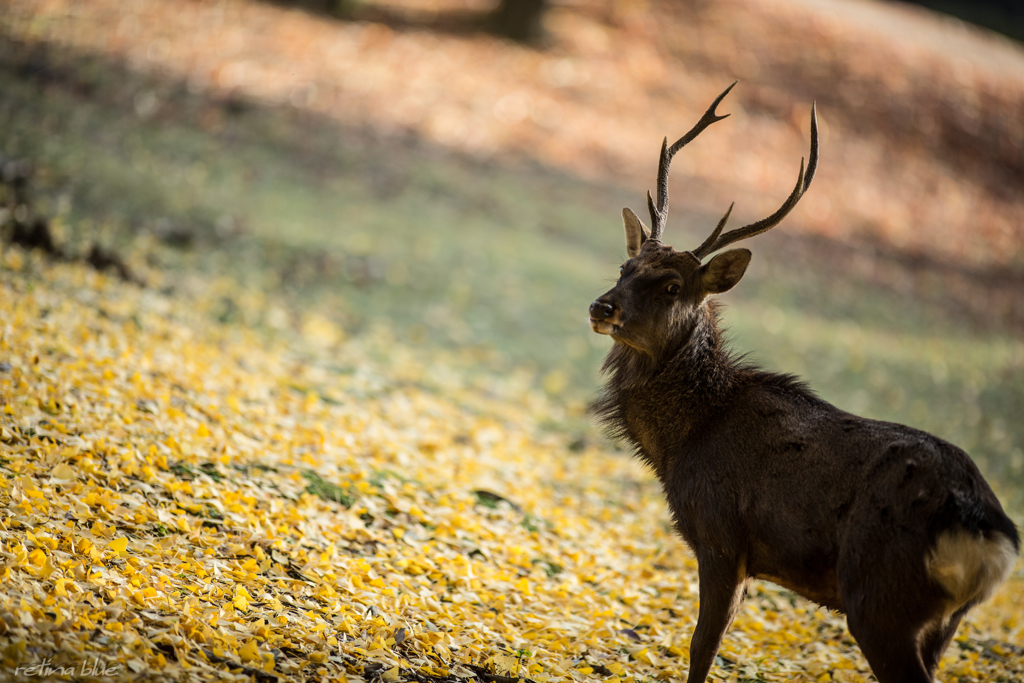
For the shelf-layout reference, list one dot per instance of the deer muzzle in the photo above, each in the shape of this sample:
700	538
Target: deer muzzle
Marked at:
604	317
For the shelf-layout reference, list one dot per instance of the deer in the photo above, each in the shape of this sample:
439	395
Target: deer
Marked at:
889	525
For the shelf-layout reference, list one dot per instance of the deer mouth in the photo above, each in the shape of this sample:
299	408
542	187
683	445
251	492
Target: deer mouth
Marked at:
603	326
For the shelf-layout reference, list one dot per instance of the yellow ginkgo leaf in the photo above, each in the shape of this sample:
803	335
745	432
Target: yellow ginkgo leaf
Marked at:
249	652
47	569
119	546
504	665
37	557
63	472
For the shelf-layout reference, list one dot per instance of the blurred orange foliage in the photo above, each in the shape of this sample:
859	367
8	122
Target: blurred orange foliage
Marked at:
923	142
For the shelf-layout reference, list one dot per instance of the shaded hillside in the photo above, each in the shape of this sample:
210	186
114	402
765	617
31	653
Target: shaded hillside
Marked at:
923	144
1002	16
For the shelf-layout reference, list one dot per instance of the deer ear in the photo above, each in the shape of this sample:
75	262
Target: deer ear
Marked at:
722	272
636	232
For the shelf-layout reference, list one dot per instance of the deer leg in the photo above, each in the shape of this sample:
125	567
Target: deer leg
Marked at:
936	642
892	652
721	590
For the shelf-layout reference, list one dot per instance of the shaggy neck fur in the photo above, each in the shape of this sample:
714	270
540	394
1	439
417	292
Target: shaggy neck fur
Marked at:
670	393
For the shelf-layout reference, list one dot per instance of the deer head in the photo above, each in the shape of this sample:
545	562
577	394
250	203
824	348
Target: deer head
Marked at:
660	288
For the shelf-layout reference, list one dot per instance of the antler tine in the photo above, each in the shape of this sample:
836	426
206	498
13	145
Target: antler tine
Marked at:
812	165
803	181
714	235
763	225
659	211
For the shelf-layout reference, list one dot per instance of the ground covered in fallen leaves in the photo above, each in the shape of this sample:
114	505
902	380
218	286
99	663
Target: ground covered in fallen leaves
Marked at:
184	498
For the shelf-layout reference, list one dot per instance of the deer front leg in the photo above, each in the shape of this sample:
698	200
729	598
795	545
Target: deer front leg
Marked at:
721	589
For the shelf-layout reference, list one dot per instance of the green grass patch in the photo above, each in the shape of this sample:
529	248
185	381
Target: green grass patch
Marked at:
325	490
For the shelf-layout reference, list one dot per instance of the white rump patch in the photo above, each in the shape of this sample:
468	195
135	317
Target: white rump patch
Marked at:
970	567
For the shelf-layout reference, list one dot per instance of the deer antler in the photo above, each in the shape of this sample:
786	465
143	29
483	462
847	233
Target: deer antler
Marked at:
659	211
803	181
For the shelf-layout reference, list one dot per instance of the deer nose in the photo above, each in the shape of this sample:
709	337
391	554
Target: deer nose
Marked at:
601	310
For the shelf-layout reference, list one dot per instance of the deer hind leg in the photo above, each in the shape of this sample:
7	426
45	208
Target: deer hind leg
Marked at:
892	650
889	618
721	591
935	641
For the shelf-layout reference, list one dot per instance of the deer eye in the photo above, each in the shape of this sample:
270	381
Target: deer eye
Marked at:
673	288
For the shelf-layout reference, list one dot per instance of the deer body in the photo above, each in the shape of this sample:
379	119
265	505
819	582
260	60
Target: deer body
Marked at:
891	525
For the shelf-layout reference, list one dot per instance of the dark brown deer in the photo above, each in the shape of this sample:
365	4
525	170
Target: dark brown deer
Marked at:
890	525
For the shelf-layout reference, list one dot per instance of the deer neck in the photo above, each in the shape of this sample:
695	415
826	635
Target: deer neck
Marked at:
655	401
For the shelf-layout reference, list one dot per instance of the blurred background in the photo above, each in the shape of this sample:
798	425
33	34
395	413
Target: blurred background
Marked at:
448	176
